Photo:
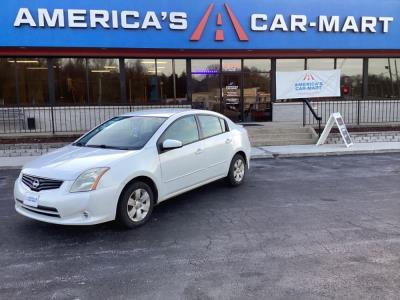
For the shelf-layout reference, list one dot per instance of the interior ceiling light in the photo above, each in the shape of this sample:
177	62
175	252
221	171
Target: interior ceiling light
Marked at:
37	68
27	61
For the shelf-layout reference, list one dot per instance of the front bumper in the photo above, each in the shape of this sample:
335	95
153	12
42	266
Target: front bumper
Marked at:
59	206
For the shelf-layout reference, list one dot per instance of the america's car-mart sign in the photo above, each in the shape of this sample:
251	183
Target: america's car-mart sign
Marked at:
239	24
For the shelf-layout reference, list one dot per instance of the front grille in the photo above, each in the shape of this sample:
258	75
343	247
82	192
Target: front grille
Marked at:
38	184
41	210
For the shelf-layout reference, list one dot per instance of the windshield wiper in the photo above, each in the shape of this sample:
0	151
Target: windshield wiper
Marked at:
107	147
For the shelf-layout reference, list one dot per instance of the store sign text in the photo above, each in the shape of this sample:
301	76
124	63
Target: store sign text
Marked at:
80	18
259	22
127	19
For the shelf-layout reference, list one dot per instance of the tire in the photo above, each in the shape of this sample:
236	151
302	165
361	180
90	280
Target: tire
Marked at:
237	171
135	205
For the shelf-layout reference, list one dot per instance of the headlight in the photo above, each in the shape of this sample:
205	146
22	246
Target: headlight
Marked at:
88	180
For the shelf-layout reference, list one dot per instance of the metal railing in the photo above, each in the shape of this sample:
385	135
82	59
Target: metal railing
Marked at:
317	118
356	112
62	119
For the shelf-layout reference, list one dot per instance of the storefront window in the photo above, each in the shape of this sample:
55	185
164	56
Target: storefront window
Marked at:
231	65
165	81
104	81
32	76
351	77
206	92
141	81
384	78
8	89
205	66
257	104
257	65
70	81
287	65
181	81
320	64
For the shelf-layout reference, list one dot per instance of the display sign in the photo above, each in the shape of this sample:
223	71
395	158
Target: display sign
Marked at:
214	24
307	84
338	119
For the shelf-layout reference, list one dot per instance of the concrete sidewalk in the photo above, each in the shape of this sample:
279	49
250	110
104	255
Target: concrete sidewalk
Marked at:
324	150
268	152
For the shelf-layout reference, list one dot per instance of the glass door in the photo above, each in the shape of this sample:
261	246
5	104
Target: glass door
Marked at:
232	103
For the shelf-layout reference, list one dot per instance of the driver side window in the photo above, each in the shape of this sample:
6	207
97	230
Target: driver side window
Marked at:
184	130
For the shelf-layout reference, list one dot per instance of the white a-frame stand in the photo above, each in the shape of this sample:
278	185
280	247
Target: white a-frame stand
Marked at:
336	118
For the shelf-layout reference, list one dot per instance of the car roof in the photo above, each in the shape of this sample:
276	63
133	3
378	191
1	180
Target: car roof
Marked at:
164	113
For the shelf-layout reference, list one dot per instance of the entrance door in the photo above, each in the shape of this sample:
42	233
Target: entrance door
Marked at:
232	102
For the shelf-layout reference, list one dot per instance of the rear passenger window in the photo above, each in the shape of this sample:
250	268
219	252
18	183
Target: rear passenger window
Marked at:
223	125
184	130
210	125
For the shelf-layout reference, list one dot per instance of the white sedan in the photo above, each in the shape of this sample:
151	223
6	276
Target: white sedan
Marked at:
126	166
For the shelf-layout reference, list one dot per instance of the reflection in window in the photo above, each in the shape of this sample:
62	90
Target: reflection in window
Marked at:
287	65
152	82
257	90
205	66
231	65
32	80
257	65
210	125
351	77
104	82
70	81
123	133
183	130
206	92
181	81
141	81
320	64
165	80
384	78
8	89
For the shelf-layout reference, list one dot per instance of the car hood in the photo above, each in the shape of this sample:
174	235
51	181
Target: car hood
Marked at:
69	162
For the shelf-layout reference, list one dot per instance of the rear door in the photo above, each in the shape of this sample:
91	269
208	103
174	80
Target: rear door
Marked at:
183	167
218	145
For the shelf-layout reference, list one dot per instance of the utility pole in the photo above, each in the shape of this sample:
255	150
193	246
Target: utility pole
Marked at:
391	76
397	77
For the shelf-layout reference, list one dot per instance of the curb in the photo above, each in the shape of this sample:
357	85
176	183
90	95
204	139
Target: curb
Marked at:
267	155
275	155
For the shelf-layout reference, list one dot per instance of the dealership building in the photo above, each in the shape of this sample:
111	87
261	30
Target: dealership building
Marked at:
66	65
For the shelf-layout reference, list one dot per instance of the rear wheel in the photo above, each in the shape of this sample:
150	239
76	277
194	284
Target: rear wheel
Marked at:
237	171
135	205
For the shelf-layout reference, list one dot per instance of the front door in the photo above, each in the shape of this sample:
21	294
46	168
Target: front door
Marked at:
184	167
232	103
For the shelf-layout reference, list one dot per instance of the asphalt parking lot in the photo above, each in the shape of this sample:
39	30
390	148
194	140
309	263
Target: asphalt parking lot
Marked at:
305	228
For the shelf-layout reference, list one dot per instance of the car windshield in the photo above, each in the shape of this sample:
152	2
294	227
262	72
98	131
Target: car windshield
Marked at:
123	133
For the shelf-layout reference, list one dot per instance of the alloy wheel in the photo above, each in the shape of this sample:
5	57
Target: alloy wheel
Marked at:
138	205
238	170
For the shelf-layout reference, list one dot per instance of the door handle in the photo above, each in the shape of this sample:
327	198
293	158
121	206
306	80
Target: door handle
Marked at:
199	151
228	141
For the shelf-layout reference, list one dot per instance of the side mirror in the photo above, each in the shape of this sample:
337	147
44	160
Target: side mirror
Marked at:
171	144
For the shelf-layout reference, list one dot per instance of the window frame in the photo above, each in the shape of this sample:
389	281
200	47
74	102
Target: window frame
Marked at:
78	141
203	137
160	139
199	130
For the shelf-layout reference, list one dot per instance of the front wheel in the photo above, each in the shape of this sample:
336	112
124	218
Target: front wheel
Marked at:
237	171
135	205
